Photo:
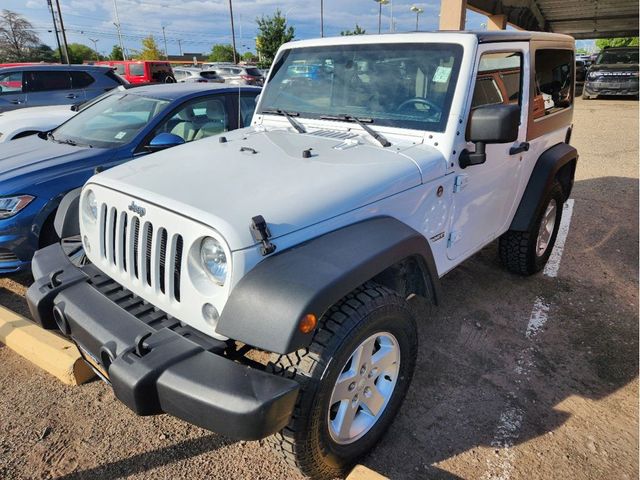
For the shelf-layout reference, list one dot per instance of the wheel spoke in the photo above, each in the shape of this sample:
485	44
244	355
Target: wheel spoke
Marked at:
341	390
374	401
344	418
385	358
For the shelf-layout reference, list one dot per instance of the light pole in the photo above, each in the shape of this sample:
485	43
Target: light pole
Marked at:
321	18
65	47
380	3
55	29
233	33
417	11
117	24
166	52
95	47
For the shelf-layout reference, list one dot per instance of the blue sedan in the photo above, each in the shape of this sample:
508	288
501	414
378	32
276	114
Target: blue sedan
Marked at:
37	171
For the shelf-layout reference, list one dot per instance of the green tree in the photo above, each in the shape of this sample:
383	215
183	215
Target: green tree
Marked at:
116	53
249	57
222	53
356	31
581	51
79	53
16	37
43	53
617	42
150	50
272	33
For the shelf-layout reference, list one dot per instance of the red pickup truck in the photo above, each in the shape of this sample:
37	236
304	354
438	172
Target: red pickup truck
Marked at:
142	71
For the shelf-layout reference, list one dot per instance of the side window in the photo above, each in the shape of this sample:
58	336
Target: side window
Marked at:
499	79
81	79
553	81
197	119
247	107
42	81
11	82
119	67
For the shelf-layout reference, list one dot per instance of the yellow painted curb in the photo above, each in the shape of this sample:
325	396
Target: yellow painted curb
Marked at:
46	349
360	472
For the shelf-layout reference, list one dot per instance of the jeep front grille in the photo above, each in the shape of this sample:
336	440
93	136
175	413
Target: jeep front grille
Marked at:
146	252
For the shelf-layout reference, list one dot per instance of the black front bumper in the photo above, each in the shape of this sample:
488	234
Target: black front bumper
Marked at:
627	87
155	364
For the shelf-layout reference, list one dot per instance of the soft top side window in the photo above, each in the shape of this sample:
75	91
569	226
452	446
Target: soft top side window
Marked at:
553	87
499	79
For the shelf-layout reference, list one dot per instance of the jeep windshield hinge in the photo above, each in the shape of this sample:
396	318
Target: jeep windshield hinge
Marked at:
261	233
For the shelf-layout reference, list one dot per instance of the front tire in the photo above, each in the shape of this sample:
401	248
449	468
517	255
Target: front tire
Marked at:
353	379
526	253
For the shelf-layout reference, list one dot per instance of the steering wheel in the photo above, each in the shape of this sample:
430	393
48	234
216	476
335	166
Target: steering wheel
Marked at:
432	106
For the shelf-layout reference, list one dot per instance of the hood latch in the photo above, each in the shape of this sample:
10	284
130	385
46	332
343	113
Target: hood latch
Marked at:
261	233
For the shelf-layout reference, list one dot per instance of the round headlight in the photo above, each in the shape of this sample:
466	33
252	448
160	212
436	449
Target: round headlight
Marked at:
214	260
90	206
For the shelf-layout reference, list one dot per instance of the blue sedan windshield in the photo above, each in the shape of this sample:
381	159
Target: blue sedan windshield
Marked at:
111	122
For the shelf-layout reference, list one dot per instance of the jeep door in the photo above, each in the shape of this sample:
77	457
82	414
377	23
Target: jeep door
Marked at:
485	195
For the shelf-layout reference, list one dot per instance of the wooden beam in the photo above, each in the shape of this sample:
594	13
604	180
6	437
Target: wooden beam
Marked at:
497	22
453	14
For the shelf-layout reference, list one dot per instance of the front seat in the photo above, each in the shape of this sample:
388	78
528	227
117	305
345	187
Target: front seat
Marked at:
186	128
216	120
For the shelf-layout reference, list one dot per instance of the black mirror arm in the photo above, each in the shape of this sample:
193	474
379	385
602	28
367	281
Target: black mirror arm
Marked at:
468	158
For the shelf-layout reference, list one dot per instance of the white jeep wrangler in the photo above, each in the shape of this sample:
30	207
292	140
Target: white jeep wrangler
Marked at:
373	166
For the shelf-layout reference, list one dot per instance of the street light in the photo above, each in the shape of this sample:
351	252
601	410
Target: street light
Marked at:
417	11
95	47
380	3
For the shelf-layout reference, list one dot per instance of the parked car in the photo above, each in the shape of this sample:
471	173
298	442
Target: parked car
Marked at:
142	71
188	75
581	71
40	85
236	75
20	123
304	235
36	171
615	72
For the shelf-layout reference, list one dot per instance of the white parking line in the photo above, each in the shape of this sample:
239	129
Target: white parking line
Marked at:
553	264
507	432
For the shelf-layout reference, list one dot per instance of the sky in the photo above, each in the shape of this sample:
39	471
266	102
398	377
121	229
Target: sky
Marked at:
195	25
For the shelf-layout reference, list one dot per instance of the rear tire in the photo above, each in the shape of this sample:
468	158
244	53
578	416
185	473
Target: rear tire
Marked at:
526	253
333	423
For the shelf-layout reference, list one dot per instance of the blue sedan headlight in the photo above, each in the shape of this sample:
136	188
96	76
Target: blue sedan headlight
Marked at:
9	206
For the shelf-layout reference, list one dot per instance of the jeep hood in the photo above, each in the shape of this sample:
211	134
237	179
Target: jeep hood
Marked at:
224	185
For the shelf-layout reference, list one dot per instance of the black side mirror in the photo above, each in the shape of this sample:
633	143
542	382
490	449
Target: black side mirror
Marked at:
164	140
490	124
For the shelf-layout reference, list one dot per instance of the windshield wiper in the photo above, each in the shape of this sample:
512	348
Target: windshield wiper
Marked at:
360	121
289	116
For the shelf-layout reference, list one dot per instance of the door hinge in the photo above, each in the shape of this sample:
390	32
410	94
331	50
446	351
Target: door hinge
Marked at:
454	237
460	182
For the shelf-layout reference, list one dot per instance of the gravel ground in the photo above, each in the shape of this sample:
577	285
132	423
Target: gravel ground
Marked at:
486	400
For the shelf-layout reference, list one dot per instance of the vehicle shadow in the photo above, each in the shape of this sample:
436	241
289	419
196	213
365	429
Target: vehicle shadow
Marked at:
150	460
476	365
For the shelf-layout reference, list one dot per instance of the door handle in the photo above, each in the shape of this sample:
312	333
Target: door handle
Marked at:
15	102
72	95
516	149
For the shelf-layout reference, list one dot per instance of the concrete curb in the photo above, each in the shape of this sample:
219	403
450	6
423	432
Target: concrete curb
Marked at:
45	349
360	472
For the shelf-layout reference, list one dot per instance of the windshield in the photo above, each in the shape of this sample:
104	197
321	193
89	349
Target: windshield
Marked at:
111	122
612	57
399	85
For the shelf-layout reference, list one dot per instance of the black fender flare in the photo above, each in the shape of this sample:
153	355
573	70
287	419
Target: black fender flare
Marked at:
266	306
67	219
547	167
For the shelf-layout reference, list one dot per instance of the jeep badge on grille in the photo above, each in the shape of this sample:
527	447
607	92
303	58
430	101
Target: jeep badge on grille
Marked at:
137	209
